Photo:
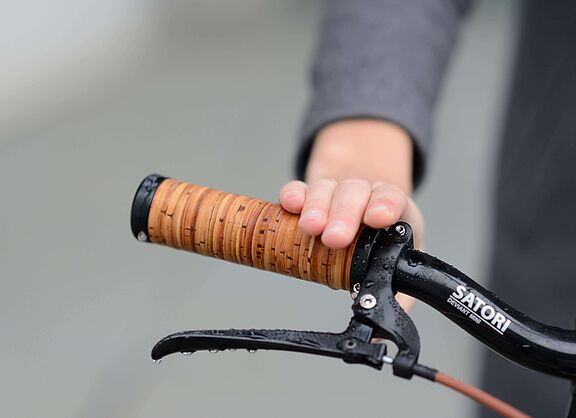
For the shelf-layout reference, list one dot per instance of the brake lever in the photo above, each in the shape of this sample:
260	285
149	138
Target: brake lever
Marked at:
353	345
377	315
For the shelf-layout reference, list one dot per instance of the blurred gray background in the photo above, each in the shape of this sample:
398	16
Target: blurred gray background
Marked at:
95	95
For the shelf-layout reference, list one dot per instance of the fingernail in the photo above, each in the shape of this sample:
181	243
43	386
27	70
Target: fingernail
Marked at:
315	214
379	210
336	227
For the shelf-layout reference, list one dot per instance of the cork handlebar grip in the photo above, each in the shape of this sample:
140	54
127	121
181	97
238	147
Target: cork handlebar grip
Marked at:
239	229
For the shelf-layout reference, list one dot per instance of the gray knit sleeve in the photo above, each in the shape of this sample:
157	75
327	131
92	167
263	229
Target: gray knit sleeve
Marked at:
381	59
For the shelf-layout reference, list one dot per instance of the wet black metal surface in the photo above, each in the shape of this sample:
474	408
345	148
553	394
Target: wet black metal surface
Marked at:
353	345
534	345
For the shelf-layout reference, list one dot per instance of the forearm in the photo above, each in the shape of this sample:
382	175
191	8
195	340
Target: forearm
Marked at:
381	59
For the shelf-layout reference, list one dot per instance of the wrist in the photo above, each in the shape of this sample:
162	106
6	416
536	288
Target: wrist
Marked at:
370	149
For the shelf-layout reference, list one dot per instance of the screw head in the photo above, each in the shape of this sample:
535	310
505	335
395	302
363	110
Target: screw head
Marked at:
355	290
142	236
400	229
350	344
368	301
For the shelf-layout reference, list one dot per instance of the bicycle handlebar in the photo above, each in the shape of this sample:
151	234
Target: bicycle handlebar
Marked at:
263	235
505	330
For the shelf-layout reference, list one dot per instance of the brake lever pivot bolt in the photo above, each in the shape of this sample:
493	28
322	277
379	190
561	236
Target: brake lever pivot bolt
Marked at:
400	229
367	301
350	344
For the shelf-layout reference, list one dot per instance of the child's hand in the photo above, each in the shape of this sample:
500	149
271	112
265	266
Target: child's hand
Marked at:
335	209
360	171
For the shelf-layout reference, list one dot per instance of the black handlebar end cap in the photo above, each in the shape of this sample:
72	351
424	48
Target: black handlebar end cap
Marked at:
141	206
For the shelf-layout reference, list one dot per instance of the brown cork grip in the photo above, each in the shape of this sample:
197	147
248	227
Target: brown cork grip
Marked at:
236	228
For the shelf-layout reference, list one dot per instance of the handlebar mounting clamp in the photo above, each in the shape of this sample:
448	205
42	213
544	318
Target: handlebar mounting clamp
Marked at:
387	318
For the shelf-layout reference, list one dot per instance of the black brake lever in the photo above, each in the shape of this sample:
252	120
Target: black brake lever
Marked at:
377	316
353	345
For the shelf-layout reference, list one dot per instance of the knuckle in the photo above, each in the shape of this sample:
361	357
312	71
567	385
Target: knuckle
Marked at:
391	192
293	185
289	193
355	182
395	190
297	184
345	215
390	210
326	182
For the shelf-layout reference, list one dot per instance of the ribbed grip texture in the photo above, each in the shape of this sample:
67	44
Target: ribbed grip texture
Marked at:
243	230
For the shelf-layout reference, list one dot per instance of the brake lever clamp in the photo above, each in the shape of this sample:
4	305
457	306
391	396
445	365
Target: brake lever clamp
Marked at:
375	304
377	315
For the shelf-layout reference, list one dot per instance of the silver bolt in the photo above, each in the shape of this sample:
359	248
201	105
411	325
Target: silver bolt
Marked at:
368	301
350	344
400	229
142	236
355	290
387	360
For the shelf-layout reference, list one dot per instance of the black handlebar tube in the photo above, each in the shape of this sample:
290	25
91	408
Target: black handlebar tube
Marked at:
479	312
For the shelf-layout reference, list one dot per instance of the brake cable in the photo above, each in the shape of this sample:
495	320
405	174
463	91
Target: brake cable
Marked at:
377	265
